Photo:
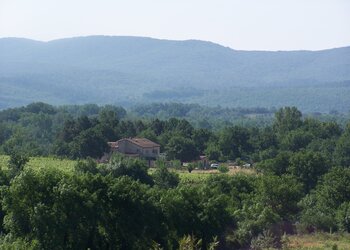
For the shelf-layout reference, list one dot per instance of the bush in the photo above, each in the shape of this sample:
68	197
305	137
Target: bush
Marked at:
342	217
190	243
223	169
164	178
17	163
266	240
190	167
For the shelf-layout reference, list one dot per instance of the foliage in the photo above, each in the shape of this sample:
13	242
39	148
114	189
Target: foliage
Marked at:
213	152
120	165
223	168
281	194
56	203
266	240
190	242
181	148
319	208
287	119
342	150
342	217
277	165
164	178
234	142
308	167
16	163
190	167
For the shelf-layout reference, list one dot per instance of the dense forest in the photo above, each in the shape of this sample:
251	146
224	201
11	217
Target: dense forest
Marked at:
299	184
40	129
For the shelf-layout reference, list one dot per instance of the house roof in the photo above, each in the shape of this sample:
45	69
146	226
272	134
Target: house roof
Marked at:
142	142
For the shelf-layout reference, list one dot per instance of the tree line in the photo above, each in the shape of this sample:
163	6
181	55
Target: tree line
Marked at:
302	182
78	132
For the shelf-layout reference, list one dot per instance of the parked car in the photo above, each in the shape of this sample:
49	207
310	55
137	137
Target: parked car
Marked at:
214	165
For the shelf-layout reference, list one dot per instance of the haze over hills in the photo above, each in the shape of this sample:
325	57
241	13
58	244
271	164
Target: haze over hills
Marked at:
130	70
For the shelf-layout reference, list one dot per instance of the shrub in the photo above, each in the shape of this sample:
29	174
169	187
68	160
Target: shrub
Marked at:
223	169
342	217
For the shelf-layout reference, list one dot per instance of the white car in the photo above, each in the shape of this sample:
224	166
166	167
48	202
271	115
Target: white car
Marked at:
214	165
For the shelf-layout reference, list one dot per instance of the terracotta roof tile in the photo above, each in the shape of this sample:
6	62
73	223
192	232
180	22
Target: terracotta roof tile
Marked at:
142	142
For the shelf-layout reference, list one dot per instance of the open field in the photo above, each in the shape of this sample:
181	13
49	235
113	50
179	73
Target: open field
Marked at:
319	241
200	175
42	162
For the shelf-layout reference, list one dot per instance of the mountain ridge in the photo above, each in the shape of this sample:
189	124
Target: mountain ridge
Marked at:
126	69
164	39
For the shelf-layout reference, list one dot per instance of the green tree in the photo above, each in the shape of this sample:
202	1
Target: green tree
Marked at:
308	167
164	178
22	141
213	152
234	142
277	165
266	138
87	166
287	119
342	150
252	219
120	165
223	169
281	194
40	107
108	124
319	208
181	148
25	202
342	217
296	140
201	138
16	163
132	219
89	143
196	210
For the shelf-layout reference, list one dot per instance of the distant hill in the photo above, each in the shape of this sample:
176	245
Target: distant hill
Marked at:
129	70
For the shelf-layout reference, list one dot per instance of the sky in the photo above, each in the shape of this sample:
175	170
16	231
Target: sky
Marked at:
239	24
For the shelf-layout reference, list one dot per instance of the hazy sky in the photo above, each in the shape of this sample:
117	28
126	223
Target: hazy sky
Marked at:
239	24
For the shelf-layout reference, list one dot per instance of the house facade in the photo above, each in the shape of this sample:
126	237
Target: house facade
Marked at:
136	147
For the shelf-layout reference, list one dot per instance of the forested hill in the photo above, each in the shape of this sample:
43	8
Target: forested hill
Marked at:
125	70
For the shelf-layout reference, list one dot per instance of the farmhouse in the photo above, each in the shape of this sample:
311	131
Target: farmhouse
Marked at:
136	147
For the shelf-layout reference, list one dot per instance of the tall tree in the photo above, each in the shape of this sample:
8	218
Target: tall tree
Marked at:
342	150
308	167
287	119
182	149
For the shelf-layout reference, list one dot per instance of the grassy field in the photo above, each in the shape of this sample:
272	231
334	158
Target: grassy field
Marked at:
200	175
42	162
319	241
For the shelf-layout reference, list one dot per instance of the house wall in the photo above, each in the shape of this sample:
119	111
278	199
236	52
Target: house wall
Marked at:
150	152
127	147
